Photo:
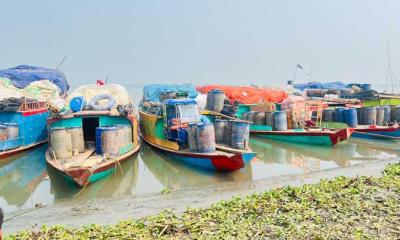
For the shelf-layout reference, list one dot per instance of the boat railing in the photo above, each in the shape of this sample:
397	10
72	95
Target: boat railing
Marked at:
151	108
29	106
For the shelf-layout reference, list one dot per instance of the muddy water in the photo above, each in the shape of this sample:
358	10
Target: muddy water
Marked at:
26	181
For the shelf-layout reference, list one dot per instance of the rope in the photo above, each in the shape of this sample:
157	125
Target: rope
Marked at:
84	187
27	211
54	154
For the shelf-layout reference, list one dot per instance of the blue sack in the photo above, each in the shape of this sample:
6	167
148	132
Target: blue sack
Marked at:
319	85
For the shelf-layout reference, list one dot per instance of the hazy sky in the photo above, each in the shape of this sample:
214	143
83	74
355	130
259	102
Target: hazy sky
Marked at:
211	41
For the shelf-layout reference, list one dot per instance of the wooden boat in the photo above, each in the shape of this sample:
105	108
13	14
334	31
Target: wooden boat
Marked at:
174	175
377	132
91	164
154	124
122	183
31	118
312	136
370	131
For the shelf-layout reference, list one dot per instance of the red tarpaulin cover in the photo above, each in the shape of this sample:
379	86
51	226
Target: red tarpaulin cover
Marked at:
247	95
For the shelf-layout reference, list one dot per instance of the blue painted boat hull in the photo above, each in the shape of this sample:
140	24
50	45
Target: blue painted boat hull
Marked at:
211	161
374	133
32	131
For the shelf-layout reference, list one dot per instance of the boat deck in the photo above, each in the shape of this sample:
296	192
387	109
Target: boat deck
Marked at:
86	159
303	131
374	127
320	130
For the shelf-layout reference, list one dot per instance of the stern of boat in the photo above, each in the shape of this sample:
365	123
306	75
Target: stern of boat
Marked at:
247	157
349	132
232	163
341	135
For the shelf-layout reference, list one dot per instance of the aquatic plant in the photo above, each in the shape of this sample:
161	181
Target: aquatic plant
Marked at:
342	208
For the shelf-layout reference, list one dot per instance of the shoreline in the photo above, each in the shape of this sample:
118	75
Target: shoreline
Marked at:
111	211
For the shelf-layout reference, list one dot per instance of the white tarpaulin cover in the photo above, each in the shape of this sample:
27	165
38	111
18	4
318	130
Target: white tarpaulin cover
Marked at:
115	90
42	90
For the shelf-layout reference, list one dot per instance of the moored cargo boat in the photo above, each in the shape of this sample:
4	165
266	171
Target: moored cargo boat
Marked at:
26	93
174	126
369	122
307	136
377	132
89	144
24	128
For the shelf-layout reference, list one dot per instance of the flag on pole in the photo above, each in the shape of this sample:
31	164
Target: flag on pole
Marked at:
100	83
299	66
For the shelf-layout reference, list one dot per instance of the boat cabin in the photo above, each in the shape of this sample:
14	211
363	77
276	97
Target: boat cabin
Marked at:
23	126
73	136
177	115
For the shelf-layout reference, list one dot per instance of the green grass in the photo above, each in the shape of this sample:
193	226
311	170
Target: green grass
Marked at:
342	208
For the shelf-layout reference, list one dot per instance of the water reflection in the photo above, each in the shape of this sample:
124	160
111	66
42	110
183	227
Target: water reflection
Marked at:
175	175
25	180
314	158
20	176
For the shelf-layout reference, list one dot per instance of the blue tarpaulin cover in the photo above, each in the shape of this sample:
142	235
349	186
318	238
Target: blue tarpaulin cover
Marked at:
22	75
319	85
180	101
151	92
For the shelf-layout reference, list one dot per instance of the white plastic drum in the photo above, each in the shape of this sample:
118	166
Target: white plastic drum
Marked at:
109	141
61	142
125	133
78	143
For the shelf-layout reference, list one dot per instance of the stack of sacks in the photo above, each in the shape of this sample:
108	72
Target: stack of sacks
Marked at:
293	101
8	90
42	90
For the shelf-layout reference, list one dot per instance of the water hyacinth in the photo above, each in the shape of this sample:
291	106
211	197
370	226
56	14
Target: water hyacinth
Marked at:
342	208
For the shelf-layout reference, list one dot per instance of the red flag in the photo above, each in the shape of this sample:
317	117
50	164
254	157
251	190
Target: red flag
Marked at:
99	82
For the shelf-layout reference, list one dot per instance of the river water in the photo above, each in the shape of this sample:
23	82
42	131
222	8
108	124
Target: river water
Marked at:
26	181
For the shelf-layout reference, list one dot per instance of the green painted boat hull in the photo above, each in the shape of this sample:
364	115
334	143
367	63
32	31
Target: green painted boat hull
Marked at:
95	177
255	127
312	140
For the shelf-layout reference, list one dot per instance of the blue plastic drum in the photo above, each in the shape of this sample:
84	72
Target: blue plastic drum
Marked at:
77	104
350	117
240	133
206	137
339	114
280	121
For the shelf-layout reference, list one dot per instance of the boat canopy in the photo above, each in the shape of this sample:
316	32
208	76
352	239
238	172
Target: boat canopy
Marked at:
181	101
152	92
23	75
320	85
189	113
247	95
117	91
185	109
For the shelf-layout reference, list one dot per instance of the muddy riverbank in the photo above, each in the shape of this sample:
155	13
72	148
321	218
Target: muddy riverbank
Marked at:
113	210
